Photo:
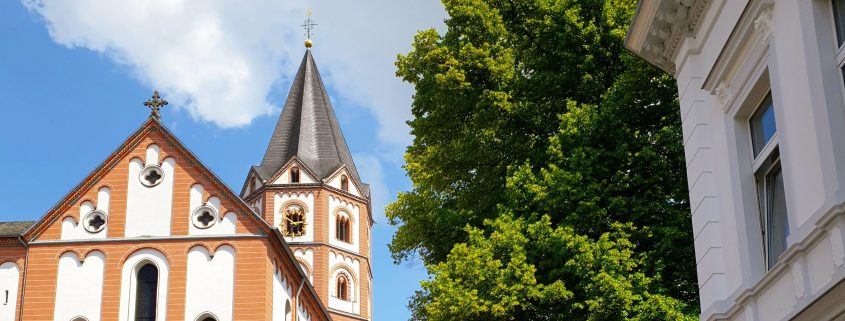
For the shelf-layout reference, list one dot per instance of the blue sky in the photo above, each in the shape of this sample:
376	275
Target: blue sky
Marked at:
73	76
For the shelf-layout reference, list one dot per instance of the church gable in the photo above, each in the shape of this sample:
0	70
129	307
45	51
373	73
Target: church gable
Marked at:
295	172
343	180
152	186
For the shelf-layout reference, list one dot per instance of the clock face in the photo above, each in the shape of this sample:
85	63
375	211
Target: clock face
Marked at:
294	223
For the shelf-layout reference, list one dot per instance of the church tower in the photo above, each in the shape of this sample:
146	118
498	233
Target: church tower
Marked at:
307	186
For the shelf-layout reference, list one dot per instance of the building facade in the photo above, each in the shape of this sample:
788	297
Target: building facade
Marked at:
153	234
762	101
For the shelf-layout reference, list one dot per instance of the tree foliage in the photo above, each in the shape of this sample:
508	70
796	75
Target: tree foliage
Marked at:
547	166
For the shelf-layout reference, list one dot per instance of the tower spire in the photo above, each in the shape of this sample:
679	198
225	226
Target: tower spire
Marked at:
308	26
308	129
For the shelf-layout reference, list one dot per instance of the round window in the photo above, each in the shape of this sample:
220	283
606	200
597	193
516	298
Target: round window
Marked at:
95	221
204	217
152	175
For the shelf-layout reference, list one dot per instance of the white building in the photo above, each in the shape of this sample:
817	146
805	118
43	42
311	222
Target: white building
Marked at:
763	107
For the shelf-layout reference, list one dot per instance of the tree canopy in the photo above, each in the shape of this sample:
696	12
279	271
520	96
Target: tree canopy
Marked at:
547	168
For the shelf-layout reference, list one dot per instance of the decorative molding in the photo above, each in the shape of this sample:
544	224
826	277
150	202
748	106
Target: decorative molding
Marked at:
794	254
660	26
723	94
763	24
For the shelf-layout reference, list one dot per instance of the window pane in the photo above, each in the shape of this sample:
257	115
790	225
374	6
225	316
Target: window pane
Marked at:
777	227
763	125
839	16
145	295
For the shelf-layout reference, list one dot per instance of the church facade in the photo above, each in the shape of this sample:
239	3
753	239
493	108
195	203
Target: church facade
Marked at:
153	234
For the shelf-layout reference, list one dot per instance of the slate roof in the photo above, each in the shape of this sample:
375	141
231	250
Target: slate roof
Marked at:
308	129
14	228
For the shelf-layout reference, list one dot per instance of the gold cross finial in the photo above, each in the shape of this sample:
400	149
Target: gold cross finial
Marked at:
308	26
155	104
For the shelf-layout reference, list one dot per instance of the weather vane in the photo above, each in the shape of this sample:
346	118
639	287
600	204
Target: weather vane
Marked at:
155	104
308	26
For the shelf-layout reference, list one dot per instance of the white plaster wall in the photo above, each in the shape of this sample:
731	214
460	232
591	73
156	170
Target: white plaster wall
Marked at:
257	183
721	228
258	205
808	94
9	280
337	263
282	292
210	283
148	209
127	282
304	177
306	255
73	230
354	211
79	287
225	224
301	313
308	199
335	182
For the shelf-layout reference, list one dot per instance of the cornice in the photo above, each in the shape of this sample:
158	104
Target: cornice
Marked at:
659	27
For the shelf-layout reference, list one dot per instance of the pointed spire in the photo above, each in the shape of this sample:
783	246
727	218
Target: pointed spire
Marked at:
308	129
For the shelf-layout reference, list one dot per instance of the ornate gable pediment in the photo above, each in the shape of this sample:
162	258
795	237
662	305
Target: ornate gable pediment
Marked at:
150	186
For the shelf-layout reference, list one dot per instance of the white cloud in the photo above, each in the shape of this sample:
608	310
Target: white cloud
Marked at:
220	59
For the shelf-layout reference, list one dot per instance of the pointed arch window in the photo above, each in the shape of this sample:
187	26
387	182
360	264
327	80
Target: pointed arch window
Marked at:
146	293
342	287
288	311
344	183
294	175
342	227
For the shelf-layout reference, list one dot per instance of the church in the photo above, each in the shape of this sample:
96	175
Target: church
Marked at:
152	234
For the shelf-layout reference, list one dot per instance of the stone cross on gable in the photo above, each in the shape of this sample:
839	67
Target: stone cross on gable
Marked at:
155	104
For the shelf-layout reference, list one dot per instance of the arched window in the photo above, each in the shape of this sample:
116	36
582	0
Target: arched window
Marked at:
294	175
294	220
288	311
342	228
342	287
344	183
146	292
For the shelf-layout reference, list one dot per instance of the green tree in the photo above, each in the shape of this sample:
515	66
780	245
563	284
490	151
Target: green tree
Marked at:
530	115
497	277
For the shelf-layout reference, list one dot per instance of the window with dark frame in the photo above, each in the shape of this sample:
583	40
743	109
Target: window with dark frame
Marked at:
344	183
342	288
771	198
146	293
342	228
294	175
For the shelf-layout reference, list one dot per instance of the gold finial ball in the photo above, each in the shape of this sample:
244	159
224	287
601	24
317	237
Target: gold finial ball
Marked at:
308	43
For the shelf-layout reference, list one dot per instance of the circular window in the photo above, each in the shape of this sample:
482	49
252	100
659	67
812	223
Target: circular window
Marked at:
204	217
95	221
152	175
